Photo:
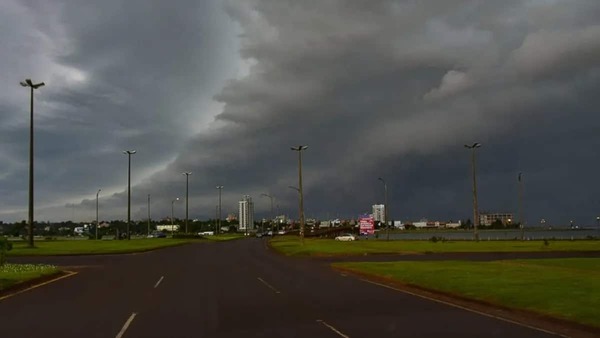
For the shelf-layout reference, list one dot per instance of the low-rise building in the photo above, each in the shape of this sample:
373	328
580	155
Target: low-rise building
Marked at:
488	219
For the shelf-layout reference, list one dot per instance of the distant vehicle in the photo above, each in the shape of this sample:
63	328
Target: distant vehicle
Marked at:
270	233
281	232
259	234
157	234
345	237
206	233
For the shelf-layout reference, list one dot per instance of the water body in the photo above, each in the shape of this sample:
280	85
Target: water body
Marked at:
491	235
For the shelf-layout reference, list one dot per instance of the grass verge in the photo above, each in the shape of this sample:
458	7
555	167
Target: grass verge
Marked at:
291	246
13	274
91	247
561	288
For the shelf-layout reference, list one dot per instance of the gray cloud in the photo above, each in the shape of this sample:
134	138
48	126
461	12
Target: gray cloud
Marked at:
382	88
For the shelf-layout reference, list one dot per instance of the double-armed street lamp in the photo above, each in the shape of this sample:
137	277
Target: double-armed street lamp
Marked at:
172	216
473	147
97	194
129	153
32	86
187	177
299	149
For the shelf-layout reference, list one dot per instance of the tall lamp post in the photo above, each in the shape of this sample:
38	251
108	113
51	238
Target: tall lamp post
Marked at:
299	149
172	216
187	176
32	86
299	205
148	215
598	222
473	147
129	153
98	193
520	180
220	187
385	206
271	198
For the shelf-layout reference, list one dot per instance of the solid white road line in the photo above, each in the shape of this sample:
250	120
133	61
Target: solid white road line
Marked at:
158	283
333	329
268	285
127	323
69	274
465	308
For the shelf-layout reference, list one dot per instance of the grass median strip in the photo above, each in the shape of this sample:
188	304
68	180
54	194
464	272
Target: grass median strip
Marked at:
13	274
90	247
562	288
292	246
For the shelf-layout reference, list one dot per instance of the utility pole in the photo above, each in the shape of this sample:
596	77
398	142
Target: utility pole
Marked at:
473	147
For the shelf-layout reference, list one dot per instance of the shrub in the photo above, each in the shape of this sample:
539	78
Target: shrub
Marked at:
5	246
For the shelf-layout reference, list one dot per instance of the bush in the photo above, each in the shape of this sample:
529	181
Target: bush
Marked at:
93	236
5	246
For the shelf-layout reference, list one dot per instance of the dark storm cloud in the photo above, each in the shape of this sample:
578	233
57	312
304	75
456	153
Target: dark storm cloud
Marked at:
379	88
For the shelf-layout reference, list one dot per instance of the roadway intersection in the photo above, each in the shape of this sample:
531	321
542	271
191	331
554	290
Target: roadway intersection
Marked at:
229	289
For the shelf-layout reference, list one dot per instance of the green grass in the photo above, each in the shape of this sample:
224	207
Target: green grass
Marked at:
87	247
291	246
562	288
12	274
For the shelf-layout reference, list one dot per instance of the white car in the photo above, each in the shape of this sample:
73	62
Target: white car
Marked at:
345	237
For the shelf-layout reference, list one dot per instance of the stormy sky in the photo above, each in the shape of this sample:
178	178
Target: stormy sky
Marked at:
223	88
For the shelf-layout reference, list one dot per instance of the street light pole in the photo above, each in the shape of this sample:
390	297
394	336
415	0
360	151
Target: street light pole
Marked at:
32	86
187	176
299	205
172	217
271	198
299	149
129	153
98	193
220	187
598	222
473	147
148	215
520	179
385	210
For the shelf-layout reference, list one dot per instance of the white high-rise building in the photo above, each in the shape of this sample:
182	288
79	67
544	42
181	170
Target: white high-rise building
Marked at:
379	212
246	213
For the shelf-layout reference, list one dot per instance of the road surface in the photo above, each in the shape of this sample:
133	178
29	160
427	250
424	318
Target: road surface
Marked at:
229	289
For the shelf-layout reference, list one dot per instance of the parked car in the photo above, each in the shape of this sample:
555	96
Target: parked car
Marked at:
259	234
281	232
345	237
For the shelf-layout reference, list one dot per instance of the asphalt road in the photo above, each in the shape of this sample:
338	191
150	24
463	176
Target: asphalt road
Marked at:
229	289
